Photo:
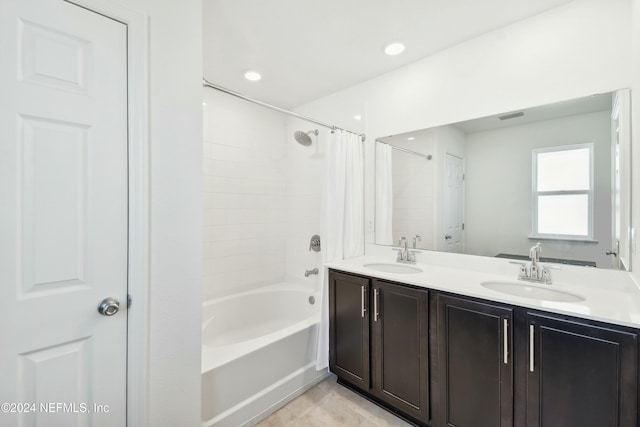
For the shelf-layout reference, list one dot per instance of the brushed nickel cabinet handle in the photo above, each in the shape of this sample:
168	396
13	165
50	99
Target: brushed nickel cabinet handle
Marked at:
375	305
363	310
531	334
505	342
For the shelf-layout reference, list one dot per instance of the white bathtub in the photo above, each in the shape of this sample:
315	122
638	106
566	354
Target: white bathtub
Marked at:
258	352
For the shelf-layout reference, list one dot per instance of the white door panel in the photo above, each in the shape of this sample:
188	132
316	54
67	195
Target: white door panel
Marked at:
453	204
621	179
63	221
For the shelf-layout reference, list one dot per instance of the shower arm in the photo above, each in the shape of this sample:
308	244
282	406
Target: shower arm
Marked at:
206	83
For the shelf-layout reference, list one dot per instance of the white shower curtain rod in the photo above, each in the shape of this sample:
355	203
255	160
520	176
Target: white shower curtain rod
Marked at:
426	156
208	84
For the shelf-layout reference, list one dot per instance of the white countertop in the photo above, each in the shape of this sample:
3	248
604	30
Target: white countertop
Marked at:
610	296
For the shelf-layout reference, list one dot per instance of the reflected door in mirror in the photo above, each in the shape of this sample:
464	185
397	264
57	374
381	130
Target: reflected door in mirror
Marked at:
454	204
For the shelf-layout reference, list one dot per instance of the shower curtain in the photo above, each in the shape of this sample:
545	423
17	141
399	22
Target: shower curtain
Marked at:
384	194
343	217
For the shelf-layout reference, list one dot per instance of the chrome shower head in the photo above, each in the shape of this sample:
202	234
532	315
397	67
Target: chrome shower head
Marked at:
303	138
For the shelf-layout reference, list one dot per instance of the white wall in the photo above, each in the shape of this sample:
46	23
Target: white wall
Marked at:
571	51
175	132
498	186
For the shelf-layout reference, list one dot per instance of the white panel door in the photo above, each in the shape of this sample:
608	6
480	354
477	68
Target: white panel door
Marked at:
453	204
63	215
621	180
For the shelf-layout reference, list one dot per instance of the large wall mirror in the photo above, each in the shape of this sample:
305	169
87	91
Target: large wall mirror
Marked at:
556	174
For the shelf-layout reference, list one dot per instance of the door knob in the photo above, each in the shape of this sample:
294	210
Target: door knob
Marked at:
447	236
109	307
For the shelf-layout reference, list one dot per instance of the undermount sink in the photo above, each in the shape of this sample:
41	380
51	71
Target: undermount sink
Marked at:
392	268
541	292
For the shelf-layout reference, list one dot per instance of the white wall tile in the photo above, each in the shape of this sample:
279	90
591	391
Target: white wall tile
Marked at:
245	195
263	194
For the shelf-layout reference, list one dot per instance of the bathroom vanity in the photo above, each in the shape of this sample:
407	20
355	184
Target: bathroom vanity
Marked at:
438	349
378	336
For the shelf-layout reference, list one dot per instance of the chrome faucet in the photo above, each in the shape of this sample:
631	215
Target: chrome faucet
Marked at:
534	255
535	272
308	273
405	256
416	239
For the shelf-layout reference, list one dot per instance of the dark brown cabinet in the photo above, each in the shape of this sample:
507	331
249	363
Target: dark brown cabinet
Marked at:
580	373
379	342
349	328
399	342
475	363
494	364
502	365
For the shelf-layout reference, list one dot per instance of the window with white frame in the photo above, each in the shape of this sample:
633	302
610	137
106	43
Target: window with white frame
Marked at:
563	192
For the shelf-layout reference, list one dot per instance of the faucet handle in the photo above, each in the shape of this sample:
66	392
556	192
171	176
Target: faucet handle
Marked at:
399	257
546	272
523	269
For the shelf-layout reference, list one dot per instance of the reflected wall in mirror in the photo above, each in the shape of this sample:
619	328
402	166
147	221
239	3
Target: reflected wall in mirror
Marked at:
557	174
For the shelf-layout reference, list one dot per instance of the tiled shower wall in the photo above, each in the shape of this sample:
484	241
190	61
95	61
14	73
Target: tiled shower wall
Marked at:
305	176
414	192
262	197
245	188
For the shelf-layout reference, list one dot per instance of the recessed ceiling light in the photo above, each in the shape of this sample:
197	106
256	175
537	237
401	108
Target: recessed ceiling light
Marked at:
394	49
204	104
253	76
411	138
357	117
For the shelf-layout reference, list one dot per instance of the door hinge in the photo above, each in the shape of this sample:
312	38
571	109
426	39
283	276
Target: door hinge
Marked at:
128	301
463	226
463	175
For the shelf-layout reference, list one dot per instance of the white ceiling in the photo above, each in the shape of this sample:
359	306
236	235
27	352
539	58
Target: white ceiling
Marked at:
585	105
306	49
588	104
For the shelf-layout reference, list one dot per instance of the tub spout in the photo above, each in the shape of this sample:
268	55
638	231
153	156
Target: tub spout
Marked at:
308	273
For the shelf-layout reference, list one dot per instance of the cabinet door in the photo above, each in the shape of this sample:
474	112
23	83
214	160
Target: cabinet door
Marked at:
475	363
349	328
580	374
399	341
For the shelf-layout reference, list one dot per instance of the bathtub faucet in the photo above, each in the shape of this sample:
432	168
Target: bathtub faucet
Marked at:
308	273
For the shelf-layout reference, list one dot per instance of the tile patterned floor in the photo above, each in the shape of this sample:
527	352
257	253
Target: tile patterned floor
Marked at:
329	404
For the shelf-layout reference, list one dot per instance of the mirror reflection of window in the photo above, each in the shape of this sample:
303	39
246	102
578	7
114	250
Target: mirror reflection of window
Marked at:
579	207
563	192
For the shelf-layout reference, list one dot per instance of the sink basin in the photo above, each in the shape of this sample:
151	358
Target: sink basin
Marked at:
541	292
392	268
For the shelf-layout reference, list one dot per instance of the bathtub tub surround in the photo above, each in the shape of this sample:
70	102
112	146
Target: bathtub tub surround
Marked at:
489	357
275	327
263	197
